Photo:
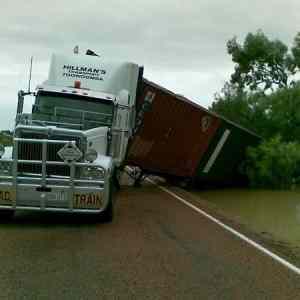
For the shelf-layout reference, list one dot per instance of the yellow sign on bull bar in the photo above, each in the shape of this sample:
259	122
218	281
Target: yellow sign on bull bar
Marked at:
88	200
7	196
81	200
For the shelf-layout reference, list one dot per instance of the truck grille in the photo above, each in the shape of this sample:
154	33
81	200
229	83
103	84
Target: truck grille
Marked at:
33	151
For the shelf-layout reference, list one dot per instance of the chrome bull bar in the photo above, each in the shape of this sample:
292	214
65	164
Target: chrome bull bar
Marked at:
72	184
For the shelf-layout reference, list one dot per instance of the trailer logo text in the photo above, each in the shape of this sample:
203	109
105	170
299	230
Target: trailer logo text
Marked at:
81	72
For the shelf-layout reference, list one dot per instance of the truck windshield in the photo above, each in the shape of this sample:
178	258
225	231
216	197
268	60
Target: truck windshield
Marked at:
73	110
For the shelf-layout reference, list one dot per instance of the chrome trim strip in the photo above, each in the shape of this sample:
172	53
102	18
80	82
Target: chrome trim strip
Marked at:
85	188
6	177
44	159
52	209
67	180
15	170
41	141
71	186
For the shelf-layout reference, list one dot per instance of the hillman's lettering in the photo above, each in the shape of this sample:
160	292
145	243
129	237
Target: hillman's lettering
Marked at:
80	69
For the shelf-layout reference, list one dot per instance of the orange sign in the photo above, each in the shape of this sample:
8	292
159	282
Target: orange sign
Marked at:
88	200
7	196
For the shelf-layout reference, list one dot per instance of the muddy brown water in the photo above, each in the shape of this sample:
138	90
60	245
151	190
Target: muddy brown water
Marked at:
272	213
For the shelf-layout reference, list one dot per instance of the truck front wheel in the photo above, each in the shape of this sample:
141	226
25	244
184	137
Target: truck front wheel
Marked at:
108	214
6	214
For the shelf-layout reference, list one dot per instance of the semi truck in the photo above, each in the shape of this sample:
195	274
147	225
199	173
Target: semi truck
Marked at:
67	150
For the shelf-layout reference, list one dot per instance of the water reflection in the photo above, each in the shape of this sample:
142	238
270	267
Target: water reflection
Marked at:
274	212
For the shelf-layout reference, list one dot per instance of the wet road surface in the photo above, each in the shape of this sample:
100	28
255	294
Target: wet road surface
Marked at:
156	248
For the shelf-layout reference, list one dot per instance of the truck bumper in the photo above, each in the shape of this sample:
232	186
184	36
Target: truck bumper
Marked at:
53	193
52	198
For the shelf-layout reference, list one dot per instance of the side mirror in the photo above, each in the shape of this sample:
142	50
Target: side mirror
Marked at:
20	102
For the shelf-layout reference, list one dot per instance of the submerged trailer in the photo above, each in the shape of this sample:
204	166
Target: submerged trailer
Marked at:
180	140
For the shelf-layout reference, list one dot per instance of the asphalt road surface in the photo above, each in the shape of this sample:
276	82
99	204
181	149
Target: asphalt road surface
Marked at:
156	248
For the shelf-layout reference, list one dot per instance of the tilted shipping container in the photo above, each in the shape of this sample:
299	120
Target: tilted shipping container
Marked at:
178	138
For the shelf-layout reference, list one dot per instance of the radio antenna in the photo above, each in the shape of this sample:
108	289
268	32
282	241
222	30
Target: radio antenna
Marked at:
30	73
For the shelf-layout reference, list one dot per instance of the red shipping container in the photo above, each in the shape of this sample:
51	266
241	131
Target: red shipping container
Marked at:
172	133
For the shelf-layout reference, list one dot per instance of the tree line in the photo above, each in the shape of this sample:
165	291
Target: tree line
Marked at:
263	95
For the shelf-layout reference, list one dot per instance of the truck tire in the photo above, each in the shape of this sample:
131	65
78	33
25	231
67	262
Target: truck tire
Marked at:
108	214
116	179
6	214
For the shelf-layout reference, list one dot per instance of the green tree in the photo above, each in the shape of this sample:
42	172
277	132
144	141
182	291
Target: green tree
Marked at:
245	108
273	164
232	104
267	115
295	58
261	62
282	112
264	97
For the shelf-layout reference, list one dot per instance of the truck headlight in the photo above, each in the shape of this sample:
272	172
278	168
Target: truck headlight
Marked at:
2	150
91	155
92	172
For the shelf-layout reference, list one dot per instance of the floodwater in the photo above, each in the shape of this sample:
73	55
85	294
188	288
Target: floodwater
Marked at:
269	212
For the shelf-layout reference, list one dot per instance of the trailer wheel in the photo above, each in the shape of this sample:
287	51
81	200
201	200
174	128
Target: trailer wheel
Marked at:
6	214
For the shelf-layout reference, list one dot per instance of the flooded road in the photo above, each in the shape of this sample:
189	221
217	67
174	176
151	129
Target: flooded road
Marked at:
273	213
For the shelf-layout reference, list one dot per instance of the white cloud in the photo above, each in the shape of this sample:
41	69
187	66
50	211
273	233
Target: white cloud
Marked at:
182	44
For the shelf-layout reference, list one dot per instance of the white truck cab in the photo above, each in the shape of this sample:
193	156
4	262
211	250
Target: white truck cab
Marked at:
65	153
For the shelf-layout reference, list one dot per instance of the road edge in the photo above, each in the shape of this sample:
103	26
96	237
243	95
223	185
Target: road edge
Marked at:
241	236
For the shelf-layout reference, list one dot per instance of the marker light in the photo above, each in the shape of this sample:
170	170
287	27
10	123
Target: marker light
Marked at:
77	84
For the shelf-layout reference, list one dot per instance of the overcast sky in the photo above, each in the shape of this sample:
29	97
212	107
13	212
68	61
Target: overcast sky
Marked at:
182	44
